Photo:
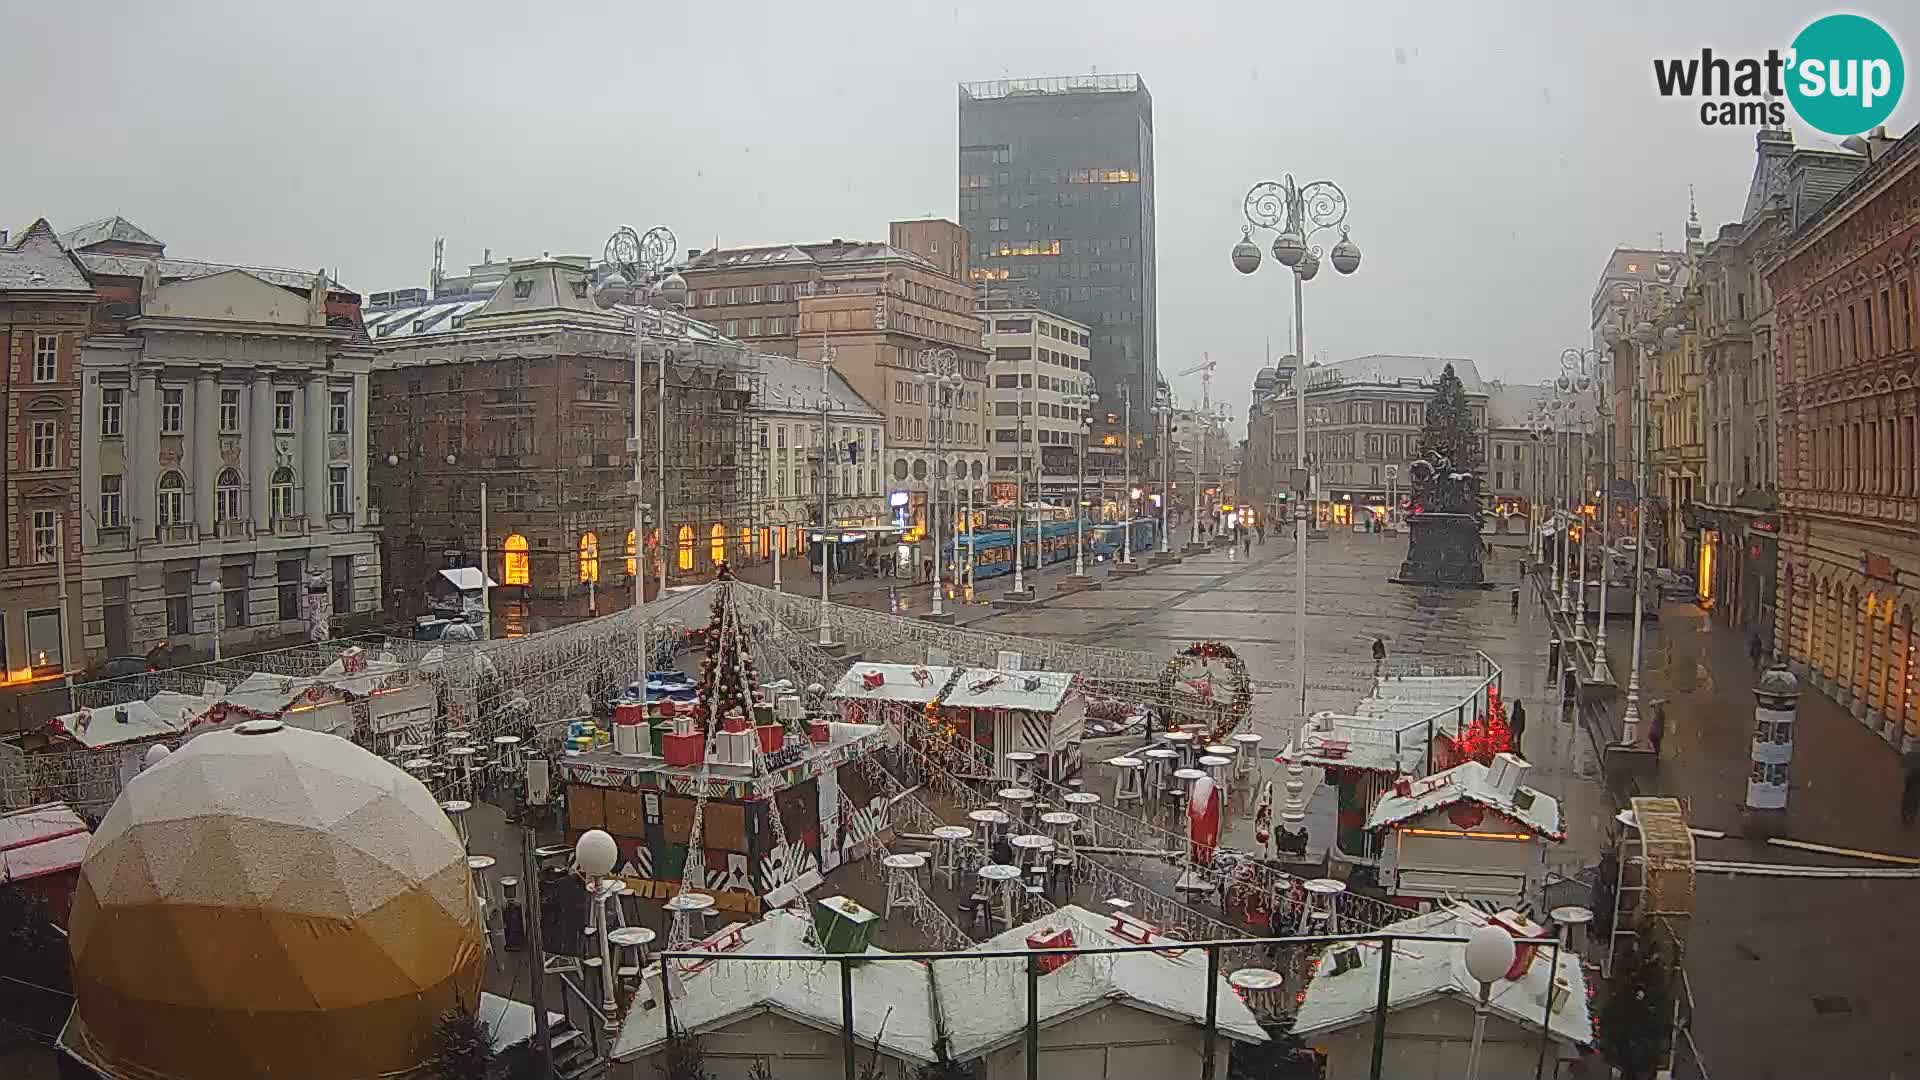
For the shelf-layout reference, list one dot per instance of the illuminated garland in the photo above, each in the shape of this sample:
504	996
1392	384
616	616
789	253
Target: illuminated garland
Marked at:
1236	711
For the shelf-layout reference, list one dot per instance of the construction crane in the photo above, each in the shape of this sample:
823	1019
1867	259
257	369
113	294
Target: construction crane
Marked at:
1205	368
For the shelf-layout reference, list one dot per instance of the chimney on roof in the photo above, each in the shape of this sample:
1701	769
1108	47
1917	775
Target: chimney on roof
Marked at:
1507	774
692	254
839	240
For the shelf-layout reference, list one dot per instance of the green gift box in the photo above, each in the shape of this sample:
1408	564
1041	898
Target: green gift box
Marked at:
845	926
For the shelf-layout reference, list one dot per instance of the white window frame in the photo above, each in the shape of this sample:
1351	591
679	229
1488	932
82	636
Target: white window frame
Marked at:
283	412
43	445
226	497
113	403
170	504
112	501
339	499
46	358
173	410
280	494
229	412
340	411
45	536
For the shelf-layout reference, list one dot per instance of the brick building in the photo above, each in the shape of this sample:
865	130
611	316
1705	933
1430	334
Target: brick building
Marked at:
514	377
1844	287
45	302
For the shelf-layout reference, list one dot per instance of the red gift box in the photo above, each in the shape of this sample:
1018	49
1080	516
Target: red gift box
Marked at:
1049	938
628	713
735	722
771	736
683	750
819	731
873	680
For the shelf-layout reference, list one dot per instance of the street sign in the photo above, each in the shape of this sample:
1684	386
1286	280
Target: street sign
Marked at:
1393	472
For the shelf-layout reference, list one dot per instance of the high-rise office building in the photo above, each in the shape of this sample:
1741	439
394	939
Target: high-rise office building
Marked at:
1056	191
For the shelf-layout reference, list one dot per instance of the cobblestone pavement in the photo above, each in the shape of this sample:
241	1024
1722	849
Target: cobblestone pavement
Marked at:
1791	977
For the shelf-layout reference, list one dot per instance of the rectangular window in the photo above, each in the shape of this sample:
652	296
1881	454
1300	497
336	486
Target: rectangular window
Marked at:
776	293
111	402
114	613
179	593
337	411
172	412
44	445
283	411
288	573
233	595
111	510
342	584
46	653
753	327
45	536
777	325
229	412
46	358
338	504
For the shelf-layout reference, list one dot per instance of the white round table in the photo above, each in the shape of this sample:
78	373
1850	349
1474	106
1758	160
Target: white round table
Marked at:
948	862
1218	750
1249	744
1020	765
1573	919
1081	798
908	860
456	806
480	862
1187	777
692	901
986	820
1322	895
457	735
1005	879
1059	817
1124	761
1259	988
1016	794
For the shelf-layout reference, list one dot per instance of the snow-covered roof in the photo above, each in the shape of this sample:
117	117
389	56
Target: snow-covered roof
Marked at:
984	1003
788	384
164	714
39	840
1034	691
34	261
1389	369
1399	700
1468	781
467	578
266	694
115	228
916	683
1423	970
891	1000
1371	743
182	269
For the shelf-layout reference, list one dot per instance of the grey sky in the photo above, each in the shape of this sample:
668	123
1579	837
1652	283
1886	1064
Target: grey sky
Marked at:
1492	153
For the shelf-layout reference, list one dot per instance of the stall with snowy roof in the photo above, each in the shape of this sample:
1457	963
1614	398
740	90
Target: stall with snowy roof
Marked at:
1105	1016
1472	832
896	694
1002	712
770	804
1430	1002
41	849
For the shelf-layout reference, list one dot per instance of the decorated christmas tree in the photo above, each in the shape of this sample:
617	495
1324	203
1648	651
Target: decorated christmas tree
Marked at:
727	675
1450	433
1486	735
1443	529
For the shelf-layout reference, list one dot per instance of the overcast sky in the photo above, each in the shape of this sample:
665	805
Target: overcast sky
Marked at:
1492	154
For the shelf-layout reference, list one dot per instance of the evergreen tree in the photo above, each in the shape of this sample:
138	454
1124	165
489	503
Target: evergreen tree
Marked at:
462	1049
1450	430
1637	1018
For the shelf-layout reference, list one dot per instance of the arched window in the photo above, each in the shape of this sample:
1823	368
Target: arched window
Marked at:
718	537
514	566
226	495
686	547
173	498
633	557
280	493
589	557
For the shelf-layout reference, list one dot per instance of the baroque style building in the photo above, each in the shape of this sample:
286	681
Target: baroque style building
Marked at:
1849	577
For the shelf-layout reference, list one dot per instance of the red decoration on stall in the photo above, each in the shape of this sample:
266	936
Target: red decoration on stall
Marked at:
1486	735
1467	815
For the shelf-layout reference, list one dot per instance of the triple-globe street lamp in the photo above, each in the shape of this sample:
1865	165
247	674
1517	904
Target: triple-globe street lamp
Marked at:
640	277
940	374
1296	215
1584	371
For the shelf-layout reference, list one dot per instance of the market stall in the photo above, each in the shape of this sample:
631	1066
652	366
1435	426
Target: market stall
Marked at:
1472	832
1038	712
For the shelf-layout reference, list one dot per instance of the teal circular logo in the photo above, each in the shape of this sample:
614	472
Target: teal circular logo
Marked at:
1846	74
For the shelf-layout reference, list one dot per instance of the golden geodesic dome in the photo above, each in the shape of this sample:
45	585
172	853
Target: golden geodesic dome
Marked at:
271	902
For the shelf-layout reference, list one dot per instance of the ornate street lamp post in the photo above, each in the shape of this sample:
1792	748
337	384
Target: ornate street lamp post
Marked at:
1646	337
940	374
1583	371
1086	402
640	278
1296	214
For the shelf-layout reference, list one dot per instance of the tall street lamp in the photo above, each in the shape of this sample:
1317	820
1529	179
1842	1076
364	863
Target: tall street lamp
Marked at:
1163	411
829	456
1646	337
640	278
1295	214
940	374
1127	485
1085	405
1584	371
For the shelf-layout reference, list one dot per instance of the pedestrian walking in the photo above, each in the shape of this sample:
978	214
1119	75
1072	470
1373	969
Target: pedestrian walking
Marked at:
1379	654
1657	732
1754	649
1910	787
1246	542
1517	724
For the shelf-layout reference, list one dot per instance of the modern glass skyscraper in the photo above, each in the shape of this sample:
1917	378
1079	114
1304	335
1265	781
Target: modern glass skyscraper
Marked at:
1056	189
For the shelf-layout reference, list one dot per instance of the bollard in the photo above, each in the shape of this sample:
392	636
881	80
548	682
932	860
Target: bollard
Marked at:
1553	652
1776	707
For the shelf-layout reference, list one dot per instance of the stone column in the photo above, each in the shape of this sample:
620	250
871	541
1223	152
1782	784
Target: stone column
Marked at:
206	448
260	449
143	469
313	450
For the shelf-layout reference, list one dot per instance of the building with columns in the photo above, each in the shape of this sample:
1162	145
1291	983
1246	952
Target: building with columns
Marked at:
1844	286
45	302
224	416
